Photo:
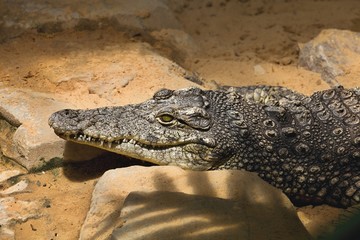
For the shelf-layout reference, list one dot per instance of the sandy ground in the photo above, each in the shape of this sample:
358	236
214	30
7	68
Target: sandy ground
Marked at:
233	37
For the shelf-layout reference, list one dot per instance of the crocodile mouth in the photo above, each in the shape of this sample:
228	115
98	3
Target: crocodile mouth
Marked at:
113	144
117	144
191	153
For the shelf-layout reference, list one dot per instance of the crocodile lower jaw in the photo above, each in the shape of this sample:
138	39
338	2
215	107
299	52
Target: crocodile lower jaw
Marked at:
113	144
186	154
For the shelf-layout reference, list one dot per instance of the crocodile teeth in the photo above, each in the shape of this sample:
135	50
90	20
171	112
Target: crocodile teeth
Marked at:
101	142
132	141
109	144
81	137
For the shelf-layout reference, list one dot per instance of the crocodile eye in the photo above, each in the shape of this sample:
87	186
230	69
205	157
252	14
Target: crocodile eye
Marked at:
166	119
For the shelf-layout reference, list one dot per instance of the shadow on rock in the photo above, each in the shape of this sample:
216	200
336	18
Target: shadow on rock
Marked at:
174	215
251	211
170	203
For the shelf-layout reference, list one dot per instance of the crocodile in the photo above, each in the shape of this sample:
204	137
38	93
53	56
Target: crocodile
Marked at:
307	146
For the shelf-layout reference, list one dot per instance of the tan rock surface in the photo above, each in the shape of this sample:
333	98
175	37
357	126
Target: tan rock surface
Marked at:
258	199
332	53
14	211
179	216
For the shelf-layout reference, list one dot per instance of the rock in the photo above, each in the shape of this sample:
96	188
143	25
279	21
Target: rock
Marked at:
348	225
16	188
257	198
12	211
103	79
49	17
177	216
326	222
144	15
259	70
5	175
25	136
176	43
332	53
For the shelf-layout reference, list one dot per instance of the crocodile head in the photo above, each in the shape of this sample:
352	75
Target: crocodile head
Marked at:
183	127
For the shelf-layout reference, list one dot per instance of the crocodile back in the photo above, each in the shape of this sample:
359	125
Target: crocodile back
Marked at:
321	135
307	146
336	114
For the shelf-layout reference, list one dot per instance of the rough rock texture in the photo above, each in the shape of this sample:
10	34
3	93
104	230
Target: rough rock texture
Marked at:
348	225
48	17
25	137
13	210
332	53
5	175
256	196
178	216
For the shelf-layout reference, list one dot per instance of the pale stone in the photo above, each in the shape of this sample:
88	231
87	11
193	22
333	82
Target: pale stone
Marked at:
5	175
177	216
33	142
16	188
12	211
179	44
259	70
115	185
332	53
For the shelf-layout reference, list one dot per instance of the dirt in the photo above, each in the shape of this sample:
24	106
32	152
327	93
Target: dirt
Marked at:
241	43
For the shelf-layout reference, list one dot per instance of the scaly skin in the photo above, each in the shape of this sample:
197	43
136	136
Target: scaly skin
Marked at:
307	146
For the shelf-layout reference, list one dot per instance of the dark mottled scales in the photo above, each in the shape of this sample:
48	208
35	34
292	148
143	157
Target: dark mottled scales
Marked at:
307	146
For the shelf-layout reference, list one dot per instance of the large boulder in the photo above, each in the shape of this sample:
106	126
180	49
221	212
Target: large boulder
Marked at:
178	216
54	16
332	53
25	136
262	209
